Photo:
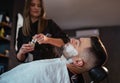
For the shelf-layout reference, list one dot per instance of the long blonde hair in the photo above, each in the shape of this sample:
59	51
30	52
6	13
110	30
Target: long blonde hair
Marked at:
26	16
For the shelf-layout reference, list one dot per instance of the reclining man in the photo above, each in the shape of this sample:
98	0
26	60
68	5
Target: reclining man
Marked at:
89	51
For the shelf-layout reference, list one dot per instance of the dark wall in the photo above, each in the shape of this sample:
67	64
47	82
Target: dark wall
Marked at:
111	39
17	8
7	6
12	7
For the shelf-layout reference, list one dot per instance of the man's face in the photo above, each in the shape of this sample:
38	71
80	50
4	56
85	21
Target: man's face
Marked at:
81	44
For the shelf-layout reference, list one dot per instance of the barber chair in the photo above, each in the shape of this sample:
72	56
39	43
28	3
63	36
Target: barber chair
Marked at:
97	74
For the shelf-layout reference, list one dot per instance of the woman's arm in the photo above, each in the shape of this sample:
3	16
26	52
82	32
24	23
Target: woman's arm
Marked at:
42	39
23	47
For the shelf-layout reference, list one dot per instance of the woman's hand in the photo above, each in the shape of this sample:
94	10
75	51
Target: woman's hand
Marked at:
44	39
26	48
41	38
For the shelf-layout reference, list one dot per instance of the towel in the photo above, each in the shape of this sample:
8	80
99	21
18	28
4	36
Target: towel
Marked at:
41	71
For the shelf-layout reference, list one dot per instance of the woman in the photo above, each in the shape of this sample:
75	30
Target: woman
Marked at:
46	32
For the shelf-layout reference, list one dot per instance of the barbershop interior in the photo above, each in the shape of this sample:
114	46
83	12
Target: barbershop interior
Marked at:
76	18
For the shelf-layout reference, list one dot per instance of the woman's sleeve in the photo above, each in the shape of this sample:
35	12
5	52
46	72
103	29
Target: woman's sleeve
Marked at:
57	31
20	42
19	39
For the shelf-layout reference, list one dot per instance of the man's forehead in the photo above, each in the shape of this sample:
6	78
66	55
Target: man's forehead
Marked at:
86	41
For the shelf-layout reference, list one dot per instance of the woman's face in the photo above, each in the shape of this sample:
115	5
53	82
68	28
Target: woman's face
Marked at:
35	8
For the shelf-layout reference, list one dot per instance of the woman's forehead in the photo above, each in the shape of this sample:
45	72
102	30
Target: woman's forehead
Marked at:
35	1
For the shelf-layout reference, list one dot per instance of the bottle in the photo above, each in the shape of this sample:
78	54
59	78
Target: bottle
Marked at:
2	31
7	53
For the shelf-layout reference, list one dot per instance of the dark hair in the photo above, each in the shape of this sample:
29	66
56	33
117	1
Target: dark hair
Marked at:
26	15
99	51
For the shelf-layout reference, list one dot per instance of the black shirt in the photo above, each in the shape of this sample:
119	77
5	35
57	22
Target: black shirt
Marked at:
75	78
42	51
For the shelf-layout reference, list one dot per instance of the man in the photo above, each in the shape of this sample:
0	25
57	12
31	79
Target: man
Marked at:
89	53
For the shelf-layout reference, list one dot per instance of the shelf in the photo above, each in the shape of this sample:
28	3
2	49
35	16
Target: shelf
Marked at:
3	56
4	62
4	24
6	39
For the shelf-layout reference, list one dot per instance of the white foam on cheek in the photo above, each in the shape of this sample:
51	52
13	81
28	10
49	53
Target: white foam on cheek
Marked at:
67	61
69	51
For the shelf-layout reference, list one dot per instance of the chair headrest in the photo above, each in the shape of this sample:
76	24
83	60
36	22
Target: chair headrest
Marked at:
98	74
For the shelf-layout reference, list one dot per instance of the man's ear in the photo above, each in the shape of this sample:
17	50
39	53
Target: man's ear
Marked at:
79	62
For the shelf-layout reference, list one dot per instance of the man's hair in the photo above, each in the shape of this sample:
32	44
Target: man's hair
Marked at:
98	50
